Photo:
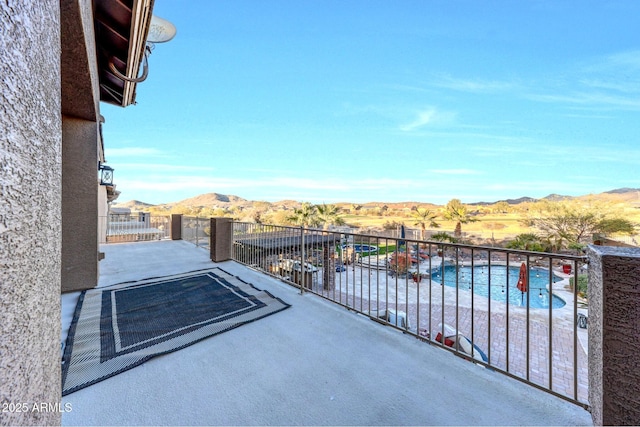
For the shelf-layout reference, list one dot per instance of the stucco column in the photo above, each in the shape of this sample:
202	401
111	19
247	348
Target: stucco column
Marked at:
221	239
614	335
80	139
176	226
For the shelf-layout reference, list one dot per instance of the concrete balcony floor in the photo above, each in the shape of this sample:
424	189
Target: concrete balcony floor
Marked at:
315	363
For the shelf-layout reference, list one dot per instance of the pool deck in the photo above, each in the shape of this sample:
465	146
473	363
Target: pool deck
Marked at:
360	288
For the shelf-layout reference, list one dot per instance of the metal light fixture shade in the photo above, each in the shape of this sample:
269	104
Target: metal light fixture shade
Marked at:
106	175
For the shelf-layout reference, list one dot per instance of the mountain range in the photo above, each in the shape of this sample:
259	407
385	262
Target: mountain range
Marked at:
217	200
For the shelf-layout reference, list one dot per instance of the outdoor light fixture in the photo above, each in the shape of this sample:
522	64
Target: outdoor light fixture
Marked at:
106	175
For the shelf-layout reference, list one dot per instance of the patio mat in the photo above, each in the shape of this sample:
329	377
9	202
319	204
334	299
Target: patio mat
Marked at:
121	326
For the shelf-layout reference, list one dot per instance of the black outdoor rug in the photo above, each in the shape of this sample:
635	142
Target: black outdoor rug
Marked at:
121	326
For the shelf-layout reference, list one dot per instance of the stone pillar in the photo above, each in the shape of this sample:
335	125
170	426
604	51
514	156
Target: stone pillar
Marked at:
176	226
614	335
221	239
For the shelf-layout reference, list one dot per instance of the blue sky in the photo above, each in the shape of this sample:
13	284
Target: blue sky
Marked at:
366	100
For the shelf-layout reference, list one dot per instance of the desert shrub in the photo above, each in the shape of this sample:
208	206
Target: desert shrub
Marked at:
583	281
391	225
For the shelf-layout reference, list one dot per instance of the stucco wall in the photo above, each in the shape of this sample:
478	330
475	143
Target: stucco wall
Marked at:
78	62
80	204
80	146
614	335
30	206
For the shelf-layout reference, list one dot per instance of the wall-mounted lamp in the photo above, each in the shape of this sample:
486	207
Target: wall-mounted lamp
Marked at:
106	175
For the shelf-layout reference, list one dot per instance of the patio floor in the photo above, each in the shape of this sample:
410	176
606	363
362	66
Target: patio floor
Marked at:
315	363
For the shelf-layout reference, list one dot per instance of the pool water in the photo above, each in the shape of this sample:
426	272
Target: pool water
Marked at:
362	248
538	282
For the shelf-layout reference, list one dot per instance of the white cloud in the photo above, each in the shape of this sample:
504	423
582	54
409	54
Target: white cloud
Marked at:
133	152
455	172
605	83
430	117
474	86
619	86
162	167
626	61
596	99
240	186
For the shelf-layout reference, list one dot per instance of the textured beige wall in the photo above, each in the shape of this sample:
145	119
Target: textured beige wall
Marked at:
79	204
78	61
80	146
614	335
30	205
221	239
176	227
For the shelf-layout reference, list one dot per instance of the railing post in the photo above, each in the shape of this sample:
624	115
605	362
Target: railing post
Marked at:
197	231
614	335
302	266
176	226
221	239
328	264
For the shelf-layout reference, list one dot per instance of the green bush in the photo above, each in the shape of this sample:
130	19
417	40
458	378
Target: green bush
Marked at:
583	281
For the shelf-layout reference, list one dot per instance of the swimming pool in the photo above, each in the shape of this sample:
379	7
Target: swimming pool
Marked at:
538	282
362	248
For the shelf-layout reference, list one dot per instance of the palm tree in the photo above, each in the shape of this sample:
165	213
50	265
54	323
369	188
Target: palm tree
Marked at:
442	237
527	242
329	215
455	210
424	217
305	216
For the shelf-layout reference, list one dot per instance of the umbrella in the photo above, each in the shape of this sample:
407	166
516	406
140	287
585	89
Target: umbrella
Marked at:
523	280
402	233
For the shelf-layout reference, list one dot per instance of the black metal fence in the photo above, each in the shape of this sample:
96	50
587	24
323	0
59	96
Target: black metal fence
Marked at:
515	312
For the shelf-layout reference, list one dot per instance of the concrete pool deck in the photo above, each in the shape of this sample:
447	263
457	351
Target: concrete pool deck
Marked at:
363	289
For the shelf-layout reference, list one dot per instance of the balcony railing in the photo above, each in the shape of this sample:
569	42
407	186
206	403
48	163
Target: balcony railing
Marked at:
196	230
119	228
515	312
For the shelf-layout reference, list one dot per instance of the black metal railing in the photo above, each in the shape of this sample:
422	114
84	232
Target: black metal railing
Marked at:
515	312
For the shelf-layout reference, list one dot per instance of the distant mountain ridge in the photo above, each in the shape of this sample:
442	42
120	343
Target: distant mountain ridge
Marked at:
623	190
211	199
509	201
226	200
550	197
133	204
